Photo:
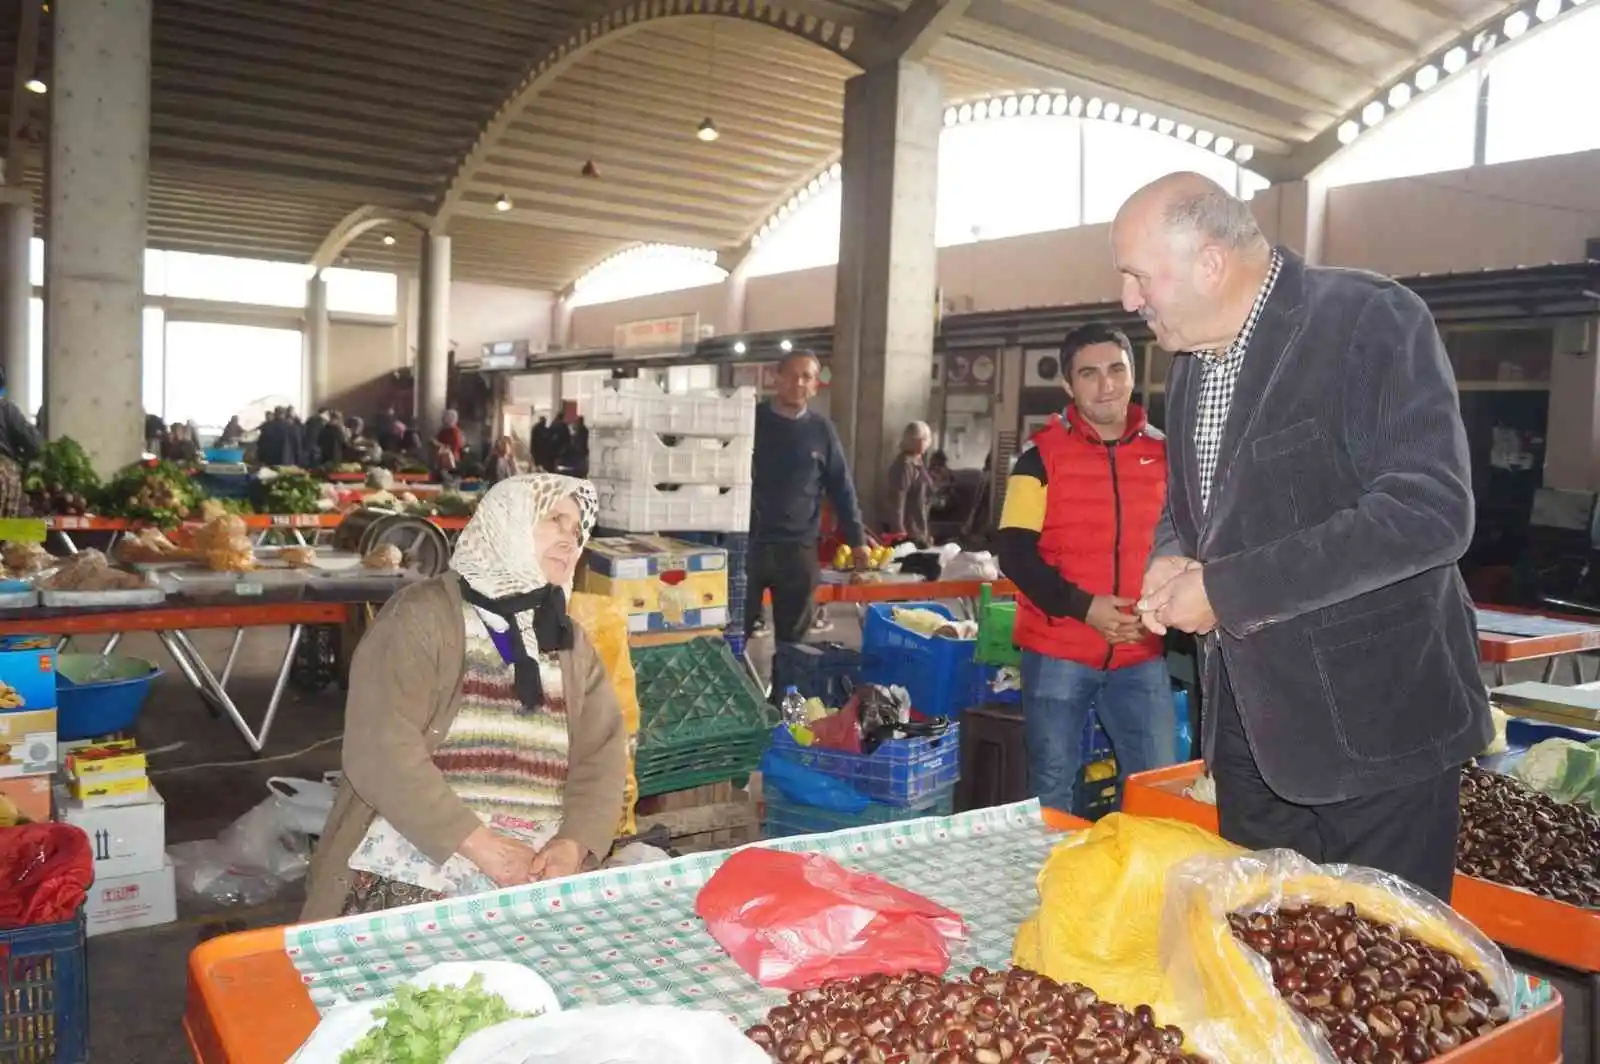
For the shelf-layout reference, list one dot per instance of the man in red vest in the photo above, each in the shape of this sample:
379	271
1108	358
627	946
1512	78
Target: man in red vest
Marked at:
1080	517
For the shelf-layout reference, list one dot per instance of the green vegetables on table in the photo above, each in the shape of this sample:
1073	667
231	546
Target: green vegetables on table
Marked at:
62	479
161	493
424	1025
292	492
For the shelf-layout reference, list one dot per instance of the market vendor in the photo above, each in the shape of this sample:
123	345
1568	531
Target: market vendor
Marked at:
1320	496
1080	517
482	734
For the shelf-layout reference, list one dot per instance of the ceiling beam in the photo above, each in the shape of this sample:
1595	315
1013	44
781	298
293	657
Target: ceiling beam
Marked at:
567	173
1185	59
1250	33
643	232
1353	24
646	129
920	26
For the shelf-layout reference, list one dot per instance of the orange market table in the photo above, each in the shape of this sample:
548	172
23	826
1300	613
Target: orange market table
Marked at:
172	622
296	525
1508	634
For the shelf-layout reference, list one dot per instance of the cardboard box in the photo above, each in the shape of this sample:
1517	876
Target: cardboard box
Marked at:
122	903
125	839
27	672
664	583
25	800
98	791
105	761
27	742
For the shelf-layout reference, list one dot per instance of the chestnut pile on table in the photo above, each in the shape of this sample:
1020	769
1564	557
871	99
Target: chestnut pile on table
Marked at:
1377	994
988	1018
1512	834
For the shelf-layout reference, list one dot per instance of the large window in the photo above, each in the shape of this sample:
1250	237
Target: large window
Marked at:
226	280
1428	135
1543	92
213	371
362	292
1013	174
646	270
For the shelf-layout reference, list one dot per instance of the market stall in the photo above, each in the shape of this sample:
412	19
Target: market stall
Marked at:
633	936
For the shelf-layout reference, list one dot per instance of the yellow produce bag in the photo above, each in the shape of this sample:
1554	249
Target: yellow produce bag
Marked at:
1221	993
1100	904
605	620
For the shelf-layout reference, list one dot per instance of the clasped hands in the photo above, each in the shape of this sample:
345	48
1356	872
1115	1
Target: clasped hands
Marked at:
511	863
1174	596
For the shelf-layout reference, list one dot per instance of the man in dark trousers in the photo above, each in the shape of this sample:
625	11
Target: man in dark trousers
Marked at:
1319	496
797	460
1080	518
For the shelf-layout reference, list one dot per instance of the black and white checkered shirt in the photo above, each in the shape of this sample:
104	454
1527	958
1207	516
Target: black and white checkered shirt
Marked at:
1219	371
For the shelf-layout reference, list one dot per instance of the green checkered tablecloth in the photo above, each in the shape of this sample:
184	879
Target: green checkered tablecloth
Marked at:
630	935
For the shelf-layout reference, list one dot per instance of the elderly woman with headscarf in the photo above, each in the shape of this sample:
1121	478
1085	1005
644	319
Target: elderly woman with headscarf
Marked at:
908	493
450	434
483	743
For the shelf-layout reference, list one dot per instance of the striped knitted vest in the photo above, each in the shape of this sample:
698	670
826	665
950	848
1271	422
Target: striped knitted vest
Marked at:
500	758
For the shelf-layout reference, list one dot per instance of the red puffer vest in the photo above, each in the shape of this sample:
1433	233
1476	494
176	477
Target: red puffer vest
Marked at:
1102	503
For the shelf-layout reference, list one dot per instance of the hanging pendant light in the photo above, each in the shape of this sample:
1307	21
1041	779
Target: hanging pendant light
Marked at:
590	169
708	130
503	203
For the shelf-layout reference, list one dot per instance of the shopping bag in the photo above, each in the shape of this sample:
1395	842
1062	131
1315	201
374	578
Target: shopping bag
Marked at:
796	920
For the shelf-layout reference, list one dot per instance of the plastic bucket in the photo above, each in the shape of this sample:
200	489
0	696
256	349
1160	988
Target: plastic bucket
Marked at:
97	694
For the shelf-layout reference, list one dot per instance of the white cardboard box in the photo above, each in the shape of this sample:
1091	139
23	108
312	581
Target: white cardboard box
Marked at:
122	903
126	840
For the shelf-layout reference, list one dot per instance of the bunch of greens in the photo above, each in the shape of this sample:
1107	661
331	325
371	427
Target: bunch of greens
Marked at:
425	1025
160	493
292	492
62	479
453	504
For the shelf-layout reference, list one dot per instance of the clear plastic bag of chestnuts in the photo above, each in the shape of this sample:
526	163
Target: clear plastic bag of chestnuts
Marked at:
1268	956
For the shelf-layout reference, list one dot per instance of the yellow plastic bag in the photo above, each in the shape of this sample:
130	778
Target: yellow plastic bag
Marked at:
1100	905
605	621
1221	993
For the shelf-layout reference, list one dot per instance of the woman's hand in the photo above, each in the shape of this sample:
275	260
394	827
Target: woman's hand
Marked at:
505	860
558	858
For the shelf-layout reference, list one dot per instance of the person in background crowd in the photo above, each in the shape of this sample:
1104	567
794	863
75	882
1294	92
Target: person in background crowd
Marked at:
482	733
502	463
1080	518
1320	499
272	442
360	446
311	439
332	442
559	438
388	430
412	448
797	460
180	446
232	433
908	493
444	464
155	432
20	444
450	434
580	447
539	443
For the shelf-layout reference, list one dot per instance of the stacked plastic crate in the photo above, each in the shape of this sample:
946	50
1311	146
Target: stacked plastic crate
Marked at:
680	465
671	462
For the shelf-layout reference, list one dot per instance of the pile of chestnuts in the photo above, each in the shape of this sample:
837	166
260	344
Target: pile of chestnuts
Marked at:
1378	995
1512	834
989	1018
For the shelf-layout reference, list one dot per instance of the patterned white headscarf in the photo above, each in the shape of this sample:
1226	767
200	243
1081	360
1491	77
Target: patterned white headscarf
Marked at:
496	559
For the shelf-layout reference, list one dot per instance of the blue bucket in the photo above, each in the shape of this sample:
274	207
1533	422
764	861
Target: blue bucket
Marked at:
225	455
97	694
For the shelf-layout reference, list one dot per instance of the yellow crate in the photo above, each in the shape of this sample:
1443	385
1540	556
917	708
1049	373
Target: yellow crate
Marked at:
678	599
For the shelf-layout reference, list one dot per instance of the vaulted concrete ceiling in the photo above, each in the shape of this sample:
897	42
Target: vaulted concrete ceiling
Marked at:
303	129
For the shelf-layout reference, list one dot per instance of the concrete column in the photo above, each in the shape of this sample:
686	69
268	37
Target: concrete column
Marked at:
16	290
561	322
887	276
316	341
98	175
734	292
433	334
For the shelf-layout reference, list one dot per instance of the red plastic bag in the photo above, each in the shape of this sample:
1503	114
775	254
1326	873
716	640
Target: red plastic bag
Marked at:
796	920
45	872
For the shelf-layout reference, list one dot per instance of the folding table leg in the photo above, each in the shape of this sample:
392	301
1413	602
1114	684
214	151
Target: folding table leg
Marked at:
205	681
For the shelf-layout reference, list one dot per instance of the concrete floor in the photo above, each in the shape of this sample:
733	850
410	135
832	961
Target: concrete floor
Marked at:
137	978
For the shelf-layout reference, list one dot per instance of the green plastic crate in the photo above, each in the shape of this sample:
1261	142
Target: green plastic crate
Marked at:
995	621
701	719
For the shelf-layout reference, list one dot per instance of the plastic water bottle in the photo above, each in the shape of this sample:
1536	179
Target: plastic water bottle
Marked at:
793	706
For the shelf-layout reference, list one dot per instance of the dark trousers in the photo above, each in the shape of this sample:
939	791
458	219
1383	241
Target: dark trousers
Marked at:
791	571
1409	831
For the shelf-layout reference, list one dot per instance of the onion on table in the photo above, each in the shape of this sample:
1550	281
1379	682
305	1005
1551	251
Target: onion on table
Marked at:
990	1017
1377	994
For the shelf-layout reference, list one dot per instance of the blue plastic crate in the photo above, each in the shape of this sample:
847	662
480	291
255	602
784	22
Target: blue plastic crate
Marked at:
829	671
899	772
44	994
784	817
938	673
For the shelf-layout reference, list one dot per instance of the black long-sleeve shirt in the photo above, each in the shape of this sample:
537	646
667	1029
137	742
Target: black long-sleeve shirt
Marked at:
796	460
1018	544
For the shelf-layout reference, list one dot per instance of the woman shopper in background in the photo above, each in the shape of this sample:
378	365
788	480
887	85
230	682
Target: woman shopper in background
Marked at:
908	493
20	443
483	741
